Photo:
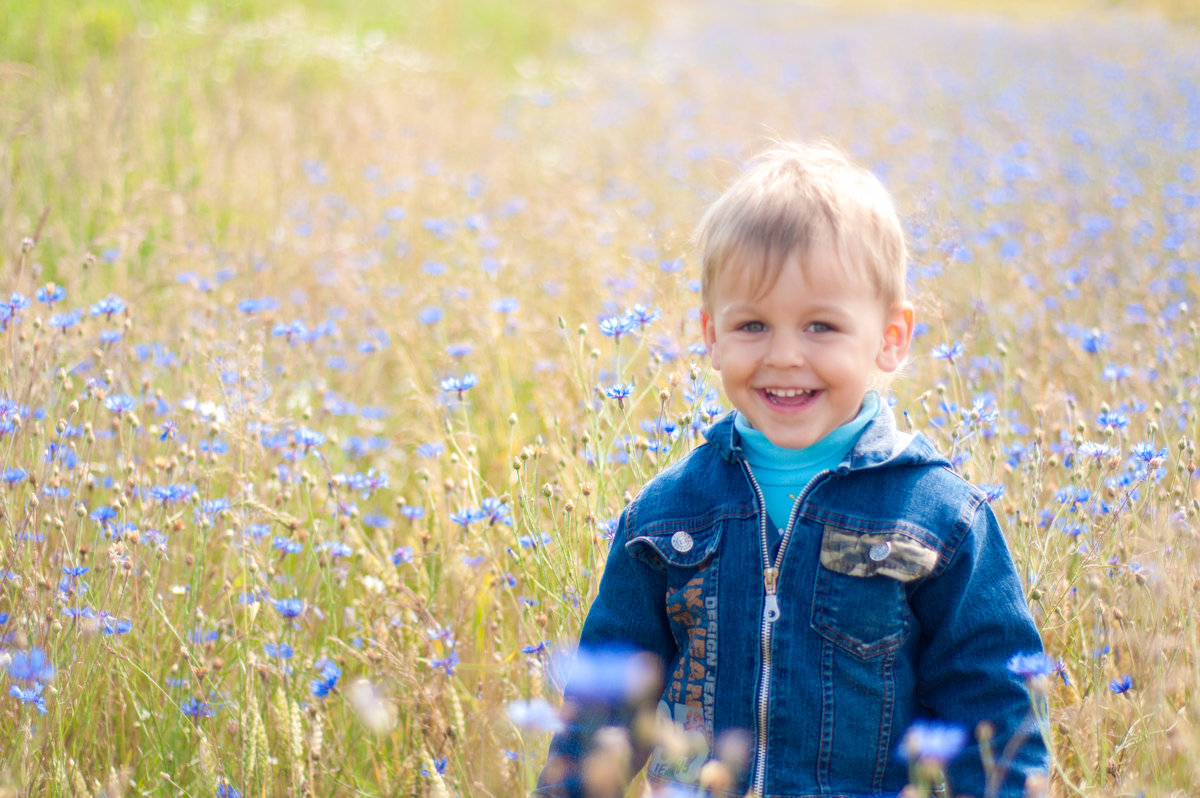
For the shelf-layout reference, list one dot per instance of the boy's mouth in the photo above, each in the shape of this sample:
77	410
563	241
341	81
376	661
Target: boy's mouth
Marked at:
788	396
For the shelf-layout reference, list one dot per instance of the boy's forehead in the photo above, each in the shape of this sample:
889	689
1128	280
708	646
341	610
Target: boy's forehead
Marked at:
753	275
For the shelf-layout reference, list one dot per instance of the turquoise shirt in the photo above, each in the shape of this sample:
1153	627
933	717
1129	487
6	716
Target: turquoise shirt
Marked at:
783	473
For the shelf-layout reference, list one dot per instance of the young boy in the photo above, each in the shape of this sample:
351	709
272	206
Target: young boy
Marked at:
811	581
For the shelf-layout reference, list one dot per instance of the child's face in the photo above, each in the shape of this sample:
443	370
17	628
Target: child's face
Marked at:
796	360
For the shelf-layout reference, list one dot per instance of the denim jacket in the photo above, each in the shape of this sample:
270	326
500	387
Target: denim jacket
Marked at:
891	597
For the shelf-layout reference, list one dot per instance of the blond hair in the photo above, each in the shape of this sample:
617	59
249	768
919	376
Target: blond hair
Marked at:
793	200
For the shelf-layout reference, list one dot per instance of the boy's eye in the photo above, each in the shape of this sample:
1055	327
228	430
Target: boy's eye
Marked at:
753	326
820	327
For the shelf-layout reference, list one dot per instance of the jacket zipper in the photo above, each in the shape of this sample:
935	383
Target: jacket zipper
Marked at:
770	615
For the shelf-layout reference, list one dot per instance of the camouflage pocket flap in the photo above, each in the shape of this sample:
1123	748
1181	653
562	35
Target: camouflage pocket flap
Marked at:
864	554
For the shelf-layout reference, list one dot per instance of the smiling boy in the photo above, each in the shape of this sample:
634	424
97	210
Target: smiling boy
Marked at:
812	580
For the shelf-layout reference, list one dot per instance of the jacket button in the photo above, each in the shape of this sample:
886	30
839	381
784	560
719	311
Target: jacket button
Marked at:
681	541
880	551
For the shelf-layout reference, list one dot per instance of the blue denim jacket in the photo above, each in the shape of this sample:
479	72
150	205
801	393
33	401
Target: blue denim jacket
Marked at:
891	597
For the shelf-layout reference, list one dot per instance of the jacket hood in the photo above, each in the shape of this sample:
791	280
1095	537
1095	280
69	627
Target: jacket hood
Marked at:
880	442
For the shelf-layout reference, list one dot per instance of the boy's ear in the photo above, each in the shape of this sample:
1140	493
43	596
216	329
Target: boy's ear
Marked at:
710	337
897	336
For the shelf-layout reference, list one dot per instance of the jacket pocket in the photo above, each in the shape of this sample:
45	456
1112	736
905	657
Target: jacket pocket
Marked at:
859	599
676	548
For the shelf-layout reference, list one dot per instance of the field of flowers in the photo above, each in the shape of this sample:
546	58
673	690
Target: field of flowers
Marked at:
328	363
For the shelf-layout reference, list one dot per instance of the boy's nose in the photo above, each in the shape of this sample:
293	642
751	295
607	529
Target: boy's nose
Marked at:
786	351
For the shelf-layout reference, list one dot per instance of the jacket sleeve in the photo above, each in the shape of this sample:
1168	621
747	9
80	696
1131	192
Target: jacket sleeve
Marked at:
973	619
618	670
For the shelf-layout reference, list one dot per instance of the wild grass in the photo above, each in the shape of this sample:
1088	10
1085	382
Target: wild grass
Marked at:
323	407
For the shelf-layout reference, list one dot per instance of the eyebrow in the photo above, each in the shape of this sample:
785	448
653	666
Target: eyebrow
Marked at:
753	308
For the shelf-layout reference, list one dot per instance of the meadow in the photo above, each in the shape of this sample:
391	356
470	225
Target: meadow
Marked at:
332	350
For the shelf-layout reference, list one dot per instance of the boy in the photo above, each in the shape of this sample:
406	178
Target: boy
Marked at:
811	581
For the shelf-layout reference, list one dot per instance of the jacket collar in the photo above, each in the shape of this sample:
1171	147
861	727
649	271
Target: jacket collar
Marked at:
880	442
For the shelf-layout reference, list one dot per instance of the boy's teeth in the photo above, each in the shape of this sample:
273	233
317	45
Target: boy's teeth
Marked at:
787	393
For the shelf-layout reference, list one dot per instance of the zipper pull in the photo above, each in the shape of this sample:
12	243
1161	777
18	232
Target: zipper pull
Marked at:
771	603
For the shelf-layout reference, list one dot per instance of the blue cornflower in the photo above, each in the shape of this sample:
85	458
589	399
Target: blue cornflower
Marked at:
337	548
120	403
9	408
328	673
496	511
1031	665
439	764
120	626
928	741
1113	373
468	516
431	314
1112	419
13	475
256	305
175	492
506	305
195	708
947	351
1093	341
992	492
537	714
1060	670
412	512
29	666
30	695
531	542
608	527
64	321
459	385
287	545
459	350
620	392
1072	494
17	301
1097	451
289	607
199	635
1146	453
303	436
75	570
1122	685
430	449
226	790
369	482
447	664
108	306
440	227
103	514
280	651
50	293
616	326
295	331
643	316
208	510
535	649
402	555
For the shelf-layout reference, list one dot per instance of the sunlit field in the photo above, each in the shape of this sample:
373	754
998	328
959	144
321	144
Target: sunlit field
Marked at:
331	355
